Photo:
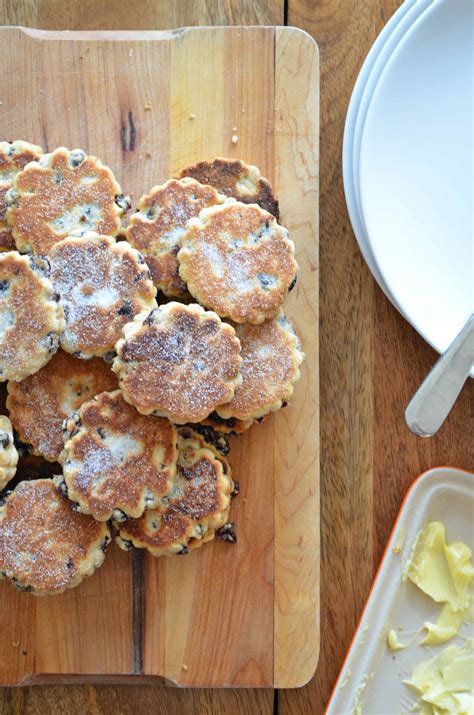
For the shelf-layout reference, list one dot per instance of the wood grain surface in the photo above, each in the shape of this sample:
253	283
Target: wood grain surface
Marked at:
297	105
371	361
149	104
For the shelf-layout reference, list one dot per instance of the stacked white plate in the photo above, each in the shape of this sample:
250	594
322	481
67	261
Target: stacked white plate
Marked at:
408	164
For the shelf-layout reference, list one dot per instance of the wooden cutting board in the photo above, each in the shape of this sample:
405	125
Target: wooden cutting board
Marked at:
148	104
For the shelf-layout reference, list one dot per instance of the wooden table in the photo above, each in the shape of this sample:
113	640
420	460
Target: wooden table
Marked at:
371	361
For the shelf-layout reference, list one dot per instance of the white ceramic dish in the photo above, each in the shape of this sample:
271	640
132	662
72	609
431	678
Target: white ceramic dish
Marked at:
406	21
362	92
416	177
372	674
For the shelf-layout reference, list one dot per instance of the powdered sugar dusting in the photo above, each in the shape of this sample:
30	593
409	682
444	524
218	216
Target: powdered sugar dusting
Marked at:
8	452
110	457
76	220
44	545
7	320
159	223
13	158
238	261
197	503
50	199
270	366
102	285
39	404
180	361
30	317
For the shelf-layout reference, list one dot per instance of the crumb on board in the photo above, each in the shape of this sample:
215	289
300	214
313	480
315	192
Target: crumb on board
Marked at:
147	104
235	138
184	666
147	155
192	116
234	129
15	644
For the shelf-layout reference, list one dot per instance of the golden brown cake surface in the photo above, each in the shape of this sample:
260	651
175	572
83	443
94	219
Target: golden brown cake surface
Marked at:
179	361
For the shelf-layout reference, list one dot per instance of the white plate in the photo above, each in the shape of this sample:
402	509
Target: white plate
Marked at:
370	71
442	494
412	12
416	172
